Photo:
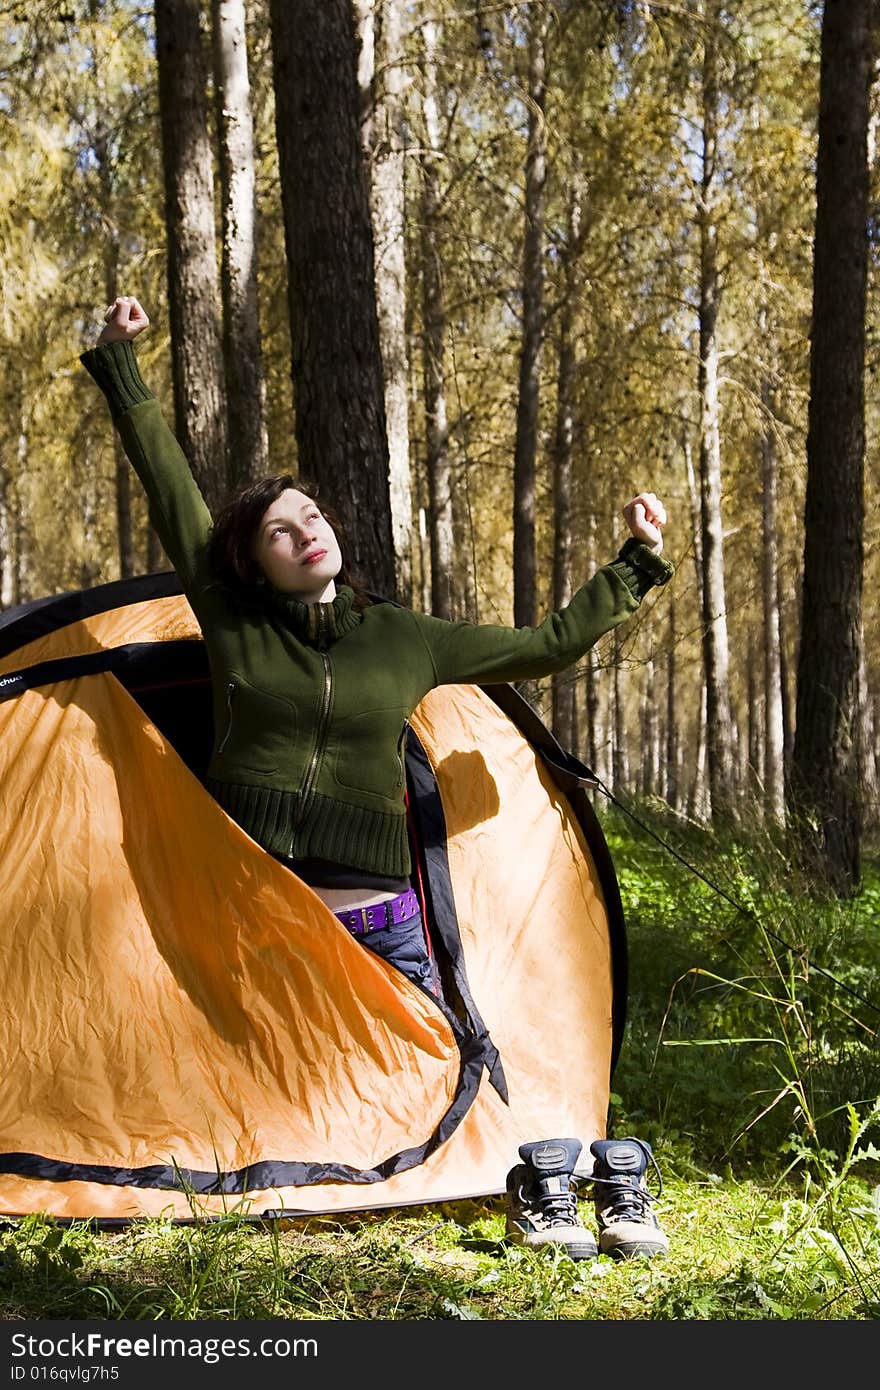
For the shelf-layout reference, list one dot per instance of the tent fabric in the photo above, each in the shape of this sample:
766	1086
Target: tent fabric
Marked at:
188	1029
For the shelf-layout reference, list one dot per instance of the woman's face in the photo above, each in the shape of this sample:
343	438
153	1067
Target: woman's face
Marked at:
297	550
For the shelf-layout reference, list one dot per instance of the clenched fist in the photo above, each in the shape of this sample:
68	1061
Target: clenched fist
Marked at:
645	515
124	319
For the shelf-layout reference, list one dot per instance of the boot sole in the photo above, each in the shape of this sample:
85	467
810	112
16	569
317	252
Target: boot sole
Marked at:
576	1250
630	1249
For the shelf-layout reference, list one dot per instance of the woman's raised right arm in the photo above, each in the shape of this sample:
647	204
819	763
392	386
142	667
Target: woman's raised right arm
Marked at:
177	509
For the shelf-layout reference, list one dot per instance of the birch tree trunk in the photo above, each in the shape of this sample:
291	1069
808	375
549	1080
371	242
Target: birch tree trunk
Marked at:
716	660
827	795
384	144
526	444
336	357
695	796
433	341
239	262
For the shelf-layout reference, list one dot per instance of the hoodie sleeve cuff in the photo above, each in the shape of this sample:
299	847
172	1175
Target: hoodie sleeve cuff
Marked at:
641	568
114	367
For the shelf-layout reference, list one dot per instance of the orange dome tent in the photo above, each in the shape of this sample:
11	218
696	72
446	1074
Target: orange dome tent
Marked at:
187	1029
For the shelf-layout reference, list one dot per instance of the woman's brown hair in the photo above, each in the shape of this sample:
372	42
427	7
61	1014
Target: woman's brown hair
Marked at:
231	547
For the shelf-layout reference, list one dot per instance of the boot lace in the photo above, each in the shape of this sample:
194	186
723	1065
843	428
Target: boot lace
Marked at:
628	1199
556	1208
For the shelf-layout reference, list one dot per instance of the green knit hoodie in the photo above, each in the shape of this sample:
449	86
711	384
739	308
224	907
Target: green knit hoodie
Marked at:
311	700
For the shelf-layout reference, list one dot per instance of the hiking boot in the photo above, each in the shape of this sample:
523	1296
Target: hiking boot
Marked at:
542	1201
627	1224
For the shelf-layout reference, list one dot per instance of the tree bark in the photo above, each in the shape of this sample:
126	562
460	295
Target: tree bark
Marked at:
649	752
242	343
563	699
826	773
336	356
526	444
437	460
385	150
596	742
8	513
773	767
121	465
671	779
785	681
193	289
716	660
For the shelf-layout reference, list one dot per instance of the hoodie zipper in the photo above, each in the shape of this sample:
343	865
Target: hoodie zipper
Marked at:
318	750
401	753
230	691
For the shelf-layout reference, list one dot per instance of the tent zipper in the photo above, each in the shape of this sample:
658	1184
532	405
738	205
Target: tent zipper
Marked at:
317	752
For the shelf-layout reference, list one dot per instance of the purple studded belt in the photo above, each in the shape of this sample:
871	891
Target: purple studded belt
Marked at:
360	921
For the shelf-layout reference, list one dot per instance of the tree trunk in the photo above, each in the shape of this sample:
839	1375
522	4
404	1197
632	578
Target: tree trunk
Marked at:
7	538
719	740
649	753
596	745
826	773
785	683
564	708
867	736
335	350
433	341
700	806
465	567
672	782
526	445
773	767
619	751
193	290
22	543
242	344
751	774
121	465
385	149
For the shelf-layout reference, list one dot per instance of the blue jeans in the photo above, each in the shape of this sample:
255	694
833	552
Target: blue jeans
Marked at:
404	947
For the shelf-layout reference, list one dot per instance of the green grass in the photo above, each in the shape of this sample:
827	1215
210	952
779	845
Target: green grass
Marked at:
750	1063
739	1250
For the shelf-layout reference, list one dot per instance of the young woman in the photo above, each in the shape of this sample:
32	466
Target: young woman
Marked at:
312	684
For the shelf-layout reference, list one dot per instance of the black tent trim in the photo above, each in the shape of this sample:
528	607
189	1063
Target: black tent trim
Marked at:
430	845
265	1175
574	777
44	615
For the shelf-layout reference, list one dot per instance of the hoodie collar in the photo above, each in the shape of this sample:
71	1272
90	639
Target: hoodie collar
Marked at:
319	624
